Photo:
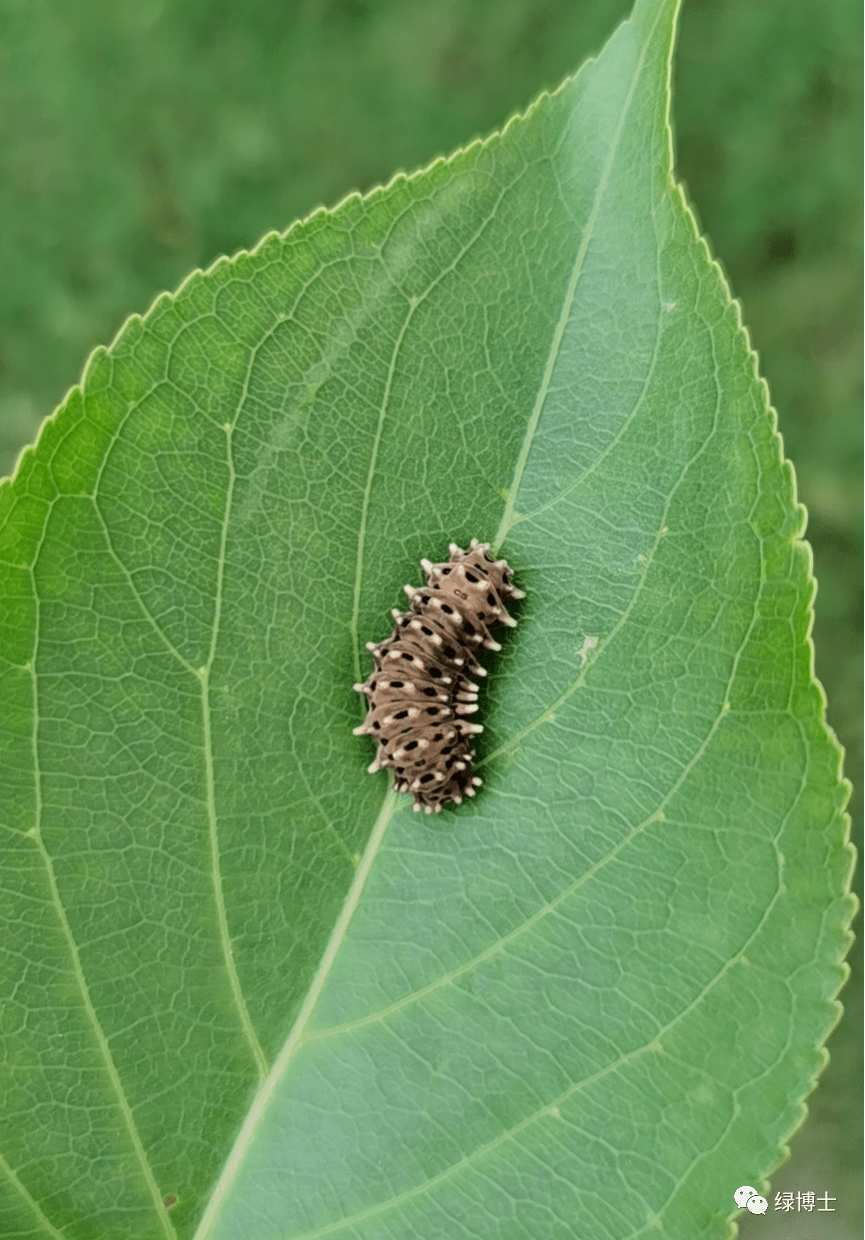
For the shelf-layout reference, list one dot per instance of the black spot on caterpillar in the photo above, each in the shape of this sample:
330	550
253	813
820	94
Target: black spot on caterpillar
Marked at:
420	692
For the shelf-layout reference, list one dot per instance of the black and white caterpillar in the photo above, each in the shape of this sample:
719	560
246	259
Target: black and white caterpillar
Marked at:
420	692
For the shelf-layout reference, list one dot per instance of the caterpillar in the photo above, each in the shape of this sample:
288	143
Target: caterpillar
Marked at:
419	691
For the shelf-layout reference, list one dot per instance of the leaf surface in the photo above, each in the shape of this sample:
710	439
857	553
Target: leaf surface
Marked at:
589	1003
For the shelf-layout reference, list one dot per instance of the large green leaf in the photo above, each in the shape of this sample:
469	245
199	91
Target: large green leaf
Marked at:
589	1003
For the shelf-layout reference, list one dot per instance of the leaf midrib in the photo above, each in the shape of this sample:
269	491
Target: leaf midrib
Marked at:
297	1036
509	519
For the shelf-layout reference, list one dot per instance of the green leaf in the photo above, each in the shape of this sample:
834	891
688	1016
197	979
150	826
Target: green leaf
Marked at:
237	972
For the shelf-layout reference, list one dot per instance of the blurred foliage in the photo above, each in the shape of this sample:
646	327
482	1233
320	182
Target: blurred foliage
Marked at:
139	139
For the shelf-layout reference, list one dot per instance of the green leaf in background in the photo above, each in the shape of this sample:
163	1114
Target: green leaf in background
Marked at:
238	975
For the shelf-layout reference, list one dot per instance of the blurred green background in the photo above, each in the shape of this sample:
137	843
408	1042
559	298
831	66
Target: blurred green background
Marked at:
142	138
